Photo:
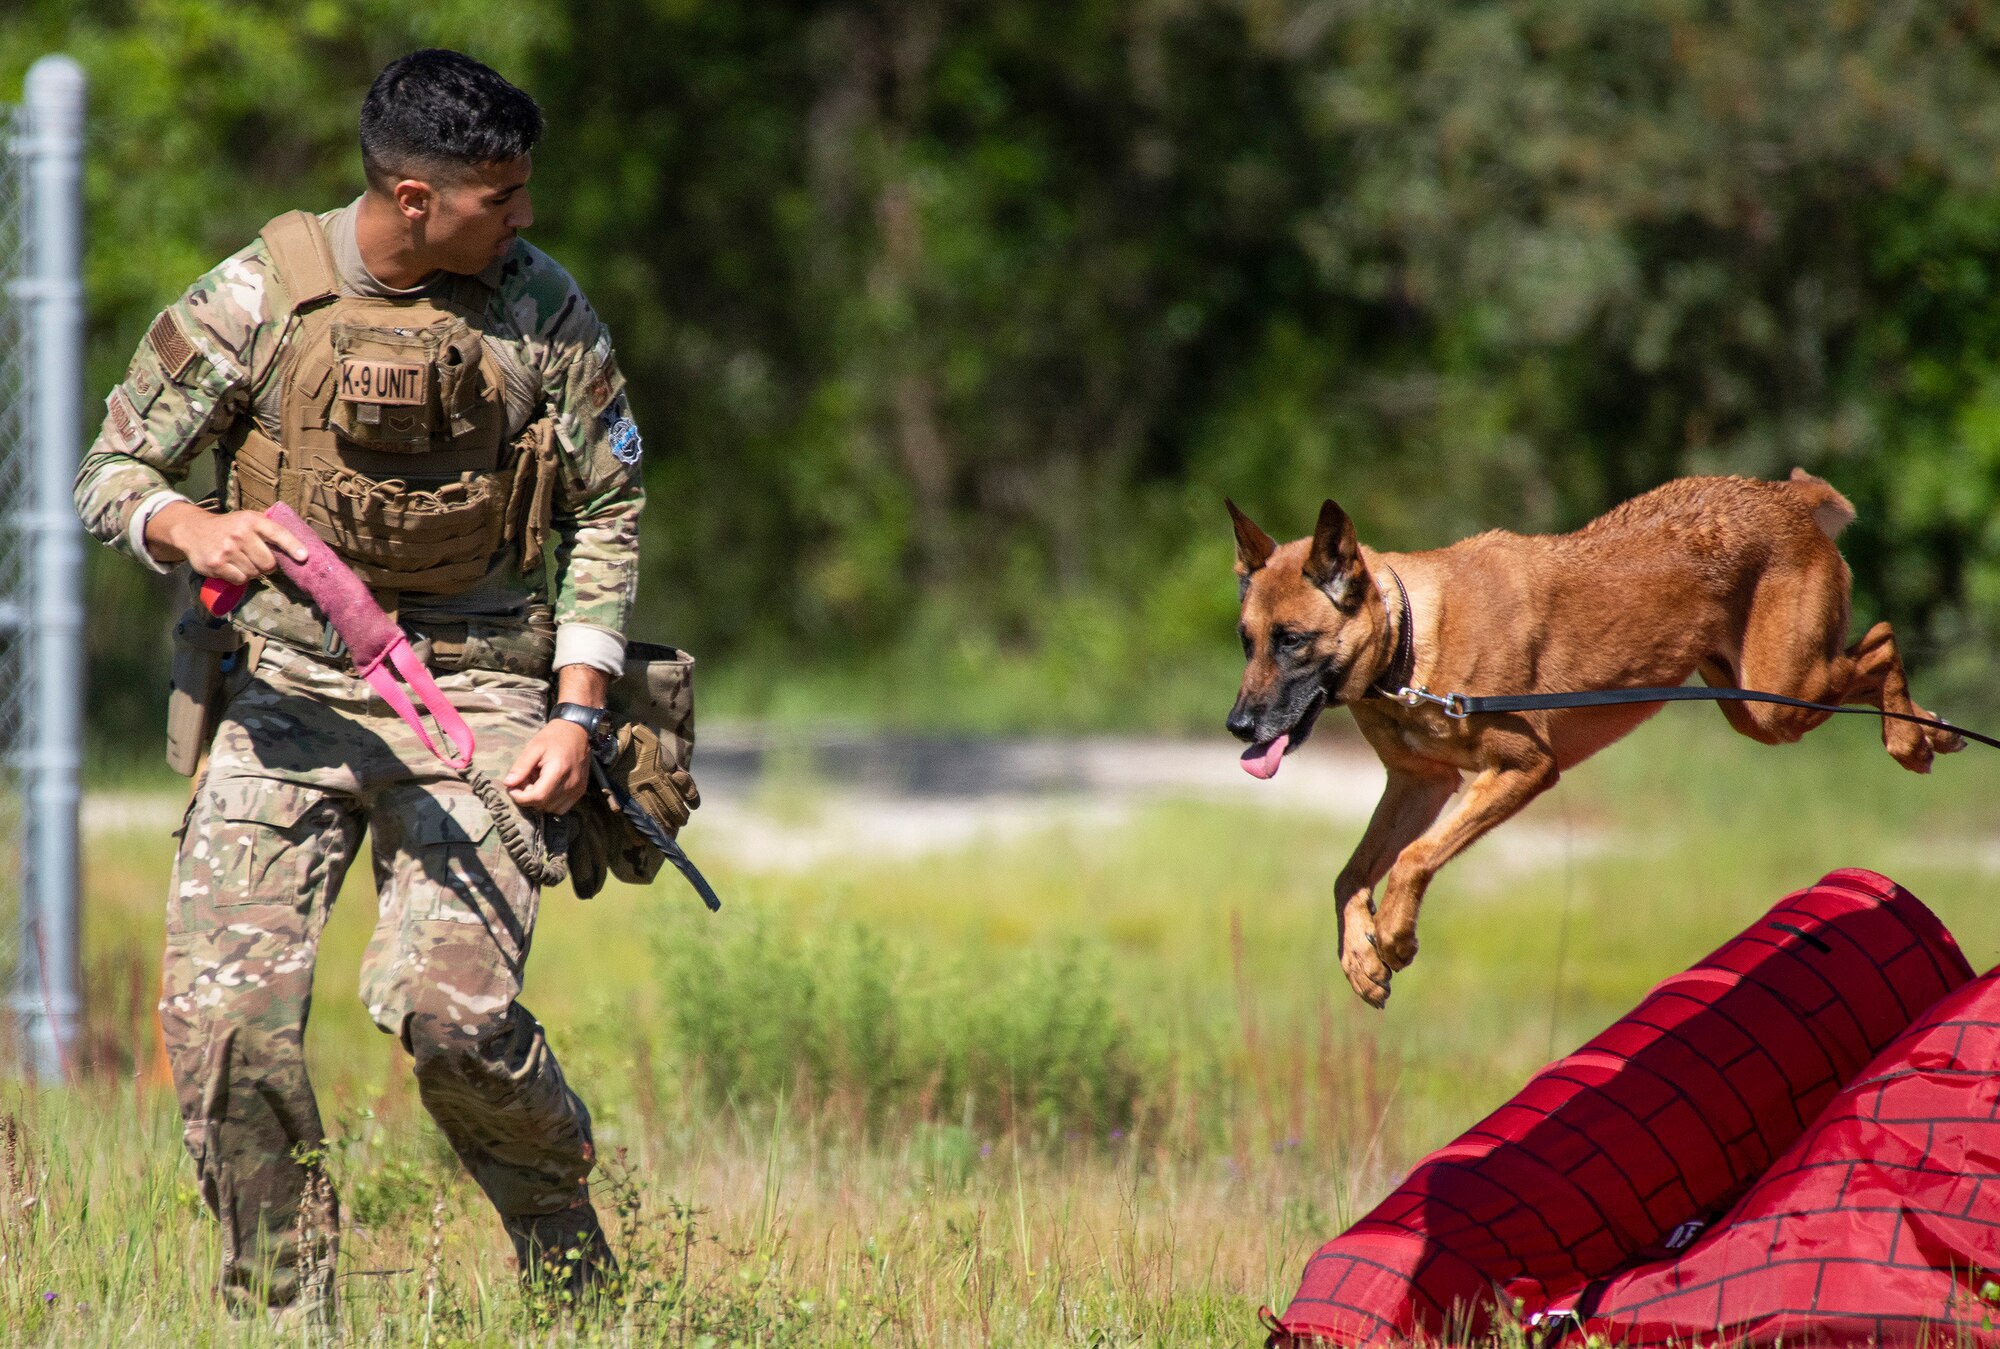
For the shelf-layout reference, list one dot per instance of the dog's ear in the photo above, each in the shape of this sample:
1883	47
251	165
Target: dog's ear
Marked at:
1334	564
1253	545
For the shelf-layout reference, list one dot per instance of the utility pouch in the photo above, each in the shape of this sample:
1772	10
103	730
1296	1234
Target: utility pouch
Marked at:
645	753
532	495
385	395
207	651
657	691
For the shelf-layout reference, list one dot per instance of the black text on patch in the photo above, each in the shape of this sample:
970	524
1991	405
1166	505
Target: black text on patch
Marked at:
400	383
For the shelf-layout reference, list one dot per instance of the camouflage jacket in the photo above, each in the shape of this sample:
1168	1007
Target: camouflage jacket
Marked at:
157	425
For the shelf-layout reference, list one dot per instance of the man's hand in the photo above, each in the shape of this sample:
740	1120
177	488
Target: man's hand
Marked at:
235	547
553	769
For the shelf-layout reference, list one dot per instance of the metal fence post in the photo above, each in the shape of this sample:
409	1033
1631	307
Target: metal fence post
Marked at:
47	996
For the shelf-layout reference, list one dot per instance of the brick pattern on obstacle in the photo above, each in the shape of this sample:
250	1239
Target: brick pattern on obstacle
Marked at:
1881	1222
1659	1122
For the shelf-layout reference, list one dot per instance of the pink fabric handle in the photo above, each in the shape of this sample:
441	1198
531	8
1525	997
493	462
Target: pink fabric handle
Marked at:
377	644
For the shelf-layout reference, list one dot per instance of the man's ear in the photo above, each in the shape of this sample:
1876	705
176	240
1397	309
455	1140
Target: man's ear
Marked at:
1334	564
1253	545
413	197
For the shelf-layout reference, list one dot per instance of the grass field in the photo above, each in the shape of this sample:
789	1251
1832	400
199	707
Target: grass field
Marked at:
1094	1087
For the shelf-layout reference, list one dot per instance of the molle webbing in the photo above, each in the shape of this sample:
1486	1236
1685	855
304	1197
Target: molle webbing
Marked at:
435	535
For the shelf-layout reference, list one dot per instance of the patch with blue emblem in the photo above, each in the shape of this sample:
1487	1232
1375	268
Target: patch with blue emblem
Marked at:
622	432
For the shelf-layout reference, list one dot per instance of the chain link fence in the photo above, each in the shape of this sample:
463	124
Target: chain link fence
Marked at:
41	559
14	550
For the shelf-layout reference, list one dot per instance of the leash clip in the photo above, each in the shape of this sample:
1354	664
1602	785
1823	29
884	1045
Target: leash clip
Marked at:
1452	703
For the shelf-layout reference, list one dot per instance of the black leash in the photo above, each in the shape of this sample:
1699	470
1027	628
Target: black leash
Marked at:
1472	705
649	828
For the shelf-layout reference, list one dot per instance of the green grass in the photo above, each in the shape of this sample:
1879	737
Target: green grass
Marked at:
1095	1087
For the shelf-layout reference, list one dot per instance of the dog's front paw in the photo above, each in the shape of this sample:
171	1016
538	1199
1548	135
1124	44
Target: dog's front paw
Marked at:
1397	949
1366	974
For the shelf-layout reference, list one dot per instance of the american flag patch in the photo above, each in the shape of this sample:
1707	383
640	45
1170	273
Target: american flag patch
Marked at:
170	344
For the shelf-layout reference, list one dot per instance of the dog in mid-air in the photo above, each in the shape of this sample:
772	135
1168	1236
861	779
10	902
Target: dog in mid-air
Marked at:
1734	579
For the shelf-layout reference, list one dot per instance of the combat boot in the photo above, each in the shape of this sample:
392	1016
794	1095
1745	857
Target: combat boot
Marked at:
563	1254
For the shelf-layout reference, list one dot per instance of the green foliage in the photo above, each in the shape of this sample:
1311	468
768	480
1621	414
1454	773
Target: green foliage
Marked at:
391	1192
1035	1042
950	324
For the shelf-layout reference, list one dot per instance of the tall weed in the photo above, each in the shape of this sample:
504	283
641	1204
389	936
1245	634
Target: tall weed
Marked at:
843	1013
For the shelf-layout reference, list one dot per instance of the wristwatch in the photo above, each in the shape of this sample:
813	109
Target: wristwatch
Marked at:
590	718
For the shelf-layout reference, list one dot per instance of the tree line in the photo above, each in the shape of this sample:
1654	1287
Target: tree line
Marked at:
949	324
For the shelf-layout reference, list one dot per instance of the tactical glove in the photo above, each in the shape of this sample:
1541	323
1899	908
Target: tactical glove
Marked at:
603	839
666	793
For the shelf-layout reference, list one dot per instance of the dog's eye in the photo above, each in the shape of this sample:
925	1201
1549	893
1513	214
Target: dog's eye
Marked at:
1297	641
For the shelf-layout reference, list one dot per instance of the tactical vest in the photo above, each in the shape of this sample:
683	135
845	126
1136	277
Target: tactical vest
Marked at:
393	440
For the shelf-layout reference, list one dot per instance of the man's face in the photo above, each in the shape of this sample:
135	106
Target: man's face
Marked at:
471	219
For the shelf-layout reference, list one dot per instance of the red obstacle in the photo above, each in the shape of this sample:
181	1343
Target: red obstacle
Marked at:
1654	1126
1880	1225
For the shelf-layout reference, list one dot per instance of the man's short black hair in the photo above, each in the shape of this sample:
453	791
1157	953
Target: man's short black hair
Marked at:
440	110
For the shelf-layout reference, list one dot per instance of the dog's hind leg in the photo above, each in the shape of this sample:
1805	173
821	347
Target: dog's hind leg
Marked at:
1496	795
1410	804
1791	645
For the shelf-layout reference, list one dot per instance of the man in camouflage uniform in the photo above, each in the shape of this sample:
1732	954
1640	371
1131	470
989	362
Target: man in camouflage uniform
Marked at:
306	757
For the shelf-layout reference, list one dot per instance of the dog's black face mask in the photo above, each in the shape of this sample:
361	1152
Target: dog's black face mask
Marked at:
1308	634
1285	687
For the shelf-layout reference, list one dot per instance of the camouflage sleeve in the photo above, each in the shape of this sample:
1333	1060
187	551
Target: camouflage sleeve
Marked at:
189	379
600	494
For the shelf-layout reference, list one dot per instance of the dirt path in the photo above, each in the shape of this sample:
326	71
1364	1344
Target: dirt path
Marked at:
786	804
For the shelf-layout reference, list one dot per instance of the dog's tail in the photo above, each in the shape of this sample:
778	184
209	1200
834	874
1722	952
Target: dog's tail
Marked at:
1831	511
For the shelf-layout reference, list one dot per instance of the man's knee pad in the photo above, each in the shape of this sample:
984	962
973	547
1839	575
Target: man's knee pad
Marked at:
503	1046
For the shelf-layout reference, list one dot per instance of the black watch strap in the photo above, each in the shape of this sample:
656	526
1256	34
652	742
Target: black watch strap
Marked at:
590	718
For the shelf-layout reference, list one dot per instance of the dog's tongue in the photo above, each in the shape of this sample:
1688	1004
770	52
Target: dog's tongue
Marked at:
1261	761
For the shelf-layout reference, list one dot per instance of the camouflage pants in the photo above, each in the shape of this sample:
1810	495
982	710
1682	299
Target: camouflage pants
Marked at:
307	757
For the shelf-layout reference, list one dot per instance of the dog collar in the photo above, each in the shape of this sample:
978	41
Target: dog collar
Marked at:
1397	677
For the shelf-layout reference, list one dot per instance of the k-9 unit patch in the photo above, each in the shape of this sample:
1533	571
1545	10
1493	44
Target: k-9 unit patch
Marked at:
622	432
399	383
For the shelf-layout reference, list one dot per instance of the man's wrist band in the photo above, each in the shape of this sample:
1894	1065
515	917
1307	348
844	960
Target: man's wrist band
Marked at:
590	718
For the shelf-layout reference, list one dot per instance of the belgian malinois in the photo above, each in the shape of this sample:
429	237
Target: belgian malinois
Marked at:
1734	579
